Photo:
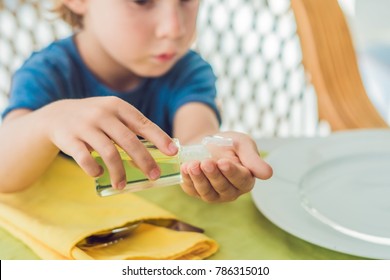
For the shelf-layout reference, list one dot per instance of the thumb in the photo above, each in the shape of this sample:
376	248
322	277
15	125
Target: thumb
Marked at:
248	154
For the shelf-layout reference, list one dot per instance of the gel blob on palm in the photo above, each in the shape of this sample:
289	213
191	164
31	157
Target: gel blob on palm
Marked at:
169	165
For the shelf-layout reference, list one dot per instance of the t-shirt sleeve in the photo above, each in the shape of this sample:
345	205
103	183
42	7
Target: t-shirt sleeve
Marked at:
29	90
37	83
195	82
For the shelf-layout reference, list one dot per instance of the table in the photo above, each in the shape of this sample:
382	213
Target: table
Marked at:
242	232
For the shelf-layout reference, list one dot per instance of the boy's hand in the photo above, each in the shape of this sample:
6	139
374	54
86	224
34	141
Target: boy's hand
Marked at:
78	126
230	173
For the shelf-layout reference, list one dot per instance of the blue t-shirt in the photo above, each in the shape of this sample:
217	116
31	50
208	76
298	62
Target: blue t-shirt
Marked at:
58	72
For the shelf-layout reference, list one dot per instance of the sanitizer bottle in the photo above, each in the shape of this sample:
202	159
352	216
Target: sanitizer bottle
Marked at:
169	165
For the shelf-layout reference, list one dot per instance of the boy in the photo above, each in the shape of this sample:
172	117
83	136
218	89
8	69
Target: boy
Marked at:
127	71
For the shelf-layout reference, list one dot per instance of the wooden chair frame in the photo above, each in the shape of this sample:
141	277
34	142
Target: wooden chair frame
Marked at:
330	60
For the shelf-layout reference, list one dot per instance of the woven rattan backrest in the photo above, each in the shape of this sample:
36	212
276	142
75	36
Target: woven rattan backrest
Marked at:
256	54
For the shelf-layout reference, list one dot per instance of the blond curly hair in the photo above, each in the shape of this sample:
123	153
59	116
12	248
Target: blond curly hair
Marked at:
74	20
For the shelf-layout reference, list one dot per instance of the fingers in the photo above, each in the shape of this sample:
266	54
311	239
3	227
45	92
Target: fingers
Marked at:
238	175
81	154
201	183
123	128
187	185
142	126
222	186
248	154
95	123
216	182
110	155
129	142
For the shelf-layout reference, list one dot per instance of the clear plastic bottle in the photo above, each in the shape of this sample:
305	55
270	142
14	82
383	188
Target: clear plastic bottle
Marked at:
169	165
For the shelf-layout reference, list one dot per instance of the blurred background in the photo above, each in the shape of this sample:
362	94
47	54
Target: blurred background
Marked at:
255	52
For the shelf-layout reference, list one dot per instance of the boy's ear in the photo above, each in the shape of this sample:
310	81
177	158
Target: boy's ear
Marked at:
76	6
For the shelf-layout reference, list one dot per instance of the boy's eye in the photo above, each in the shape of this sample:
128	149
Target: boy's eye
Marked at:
144	2
141	2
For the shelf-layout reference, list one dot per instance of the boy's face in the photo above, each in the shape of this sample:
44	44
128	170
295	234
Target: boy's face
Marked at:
146	37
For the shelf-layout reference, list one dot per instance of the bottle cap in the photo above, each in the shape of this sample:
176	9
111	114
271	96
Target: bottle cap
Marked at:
201	151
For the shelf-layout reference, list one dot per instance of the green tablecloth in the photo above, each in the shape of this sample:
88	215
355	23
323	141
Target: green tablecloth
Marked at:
240	229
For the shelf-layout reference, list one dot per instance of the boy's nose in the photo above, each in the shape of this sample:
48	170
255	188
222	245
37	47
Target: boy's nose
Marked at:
171	24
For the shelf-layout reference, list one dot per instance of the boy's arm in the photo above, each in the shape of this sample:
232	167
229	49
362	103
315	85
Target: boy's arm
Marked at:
232	170
193	121
30	140
25	150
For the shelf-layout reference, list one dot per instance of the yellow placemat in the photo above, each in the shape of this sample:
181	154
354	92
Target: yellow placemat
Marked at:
62	208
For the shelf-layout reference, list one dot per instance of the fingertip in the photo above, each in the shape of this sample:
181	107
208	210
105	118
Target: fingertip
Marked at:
224	165
208	166
154	174
262	171
194	168
98	172
173	148
121	185
269	171
168	147
91	167
184	168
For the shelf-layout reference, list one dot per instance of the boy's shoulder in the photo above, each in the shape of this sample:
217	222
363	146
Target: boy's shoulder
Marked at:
192	64
59	52
192	59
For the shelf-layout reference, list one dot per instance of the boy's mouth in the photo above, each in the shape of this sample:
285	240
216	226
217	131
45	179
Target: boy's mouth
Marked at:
165	57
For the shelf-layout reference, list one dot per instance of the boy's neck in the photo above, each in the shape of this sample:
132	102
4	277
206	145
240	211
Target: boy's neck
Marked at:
103	67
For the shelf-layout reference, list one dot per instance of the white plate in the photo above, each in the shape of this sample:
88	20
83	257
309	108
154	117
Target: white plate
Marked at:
333	192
